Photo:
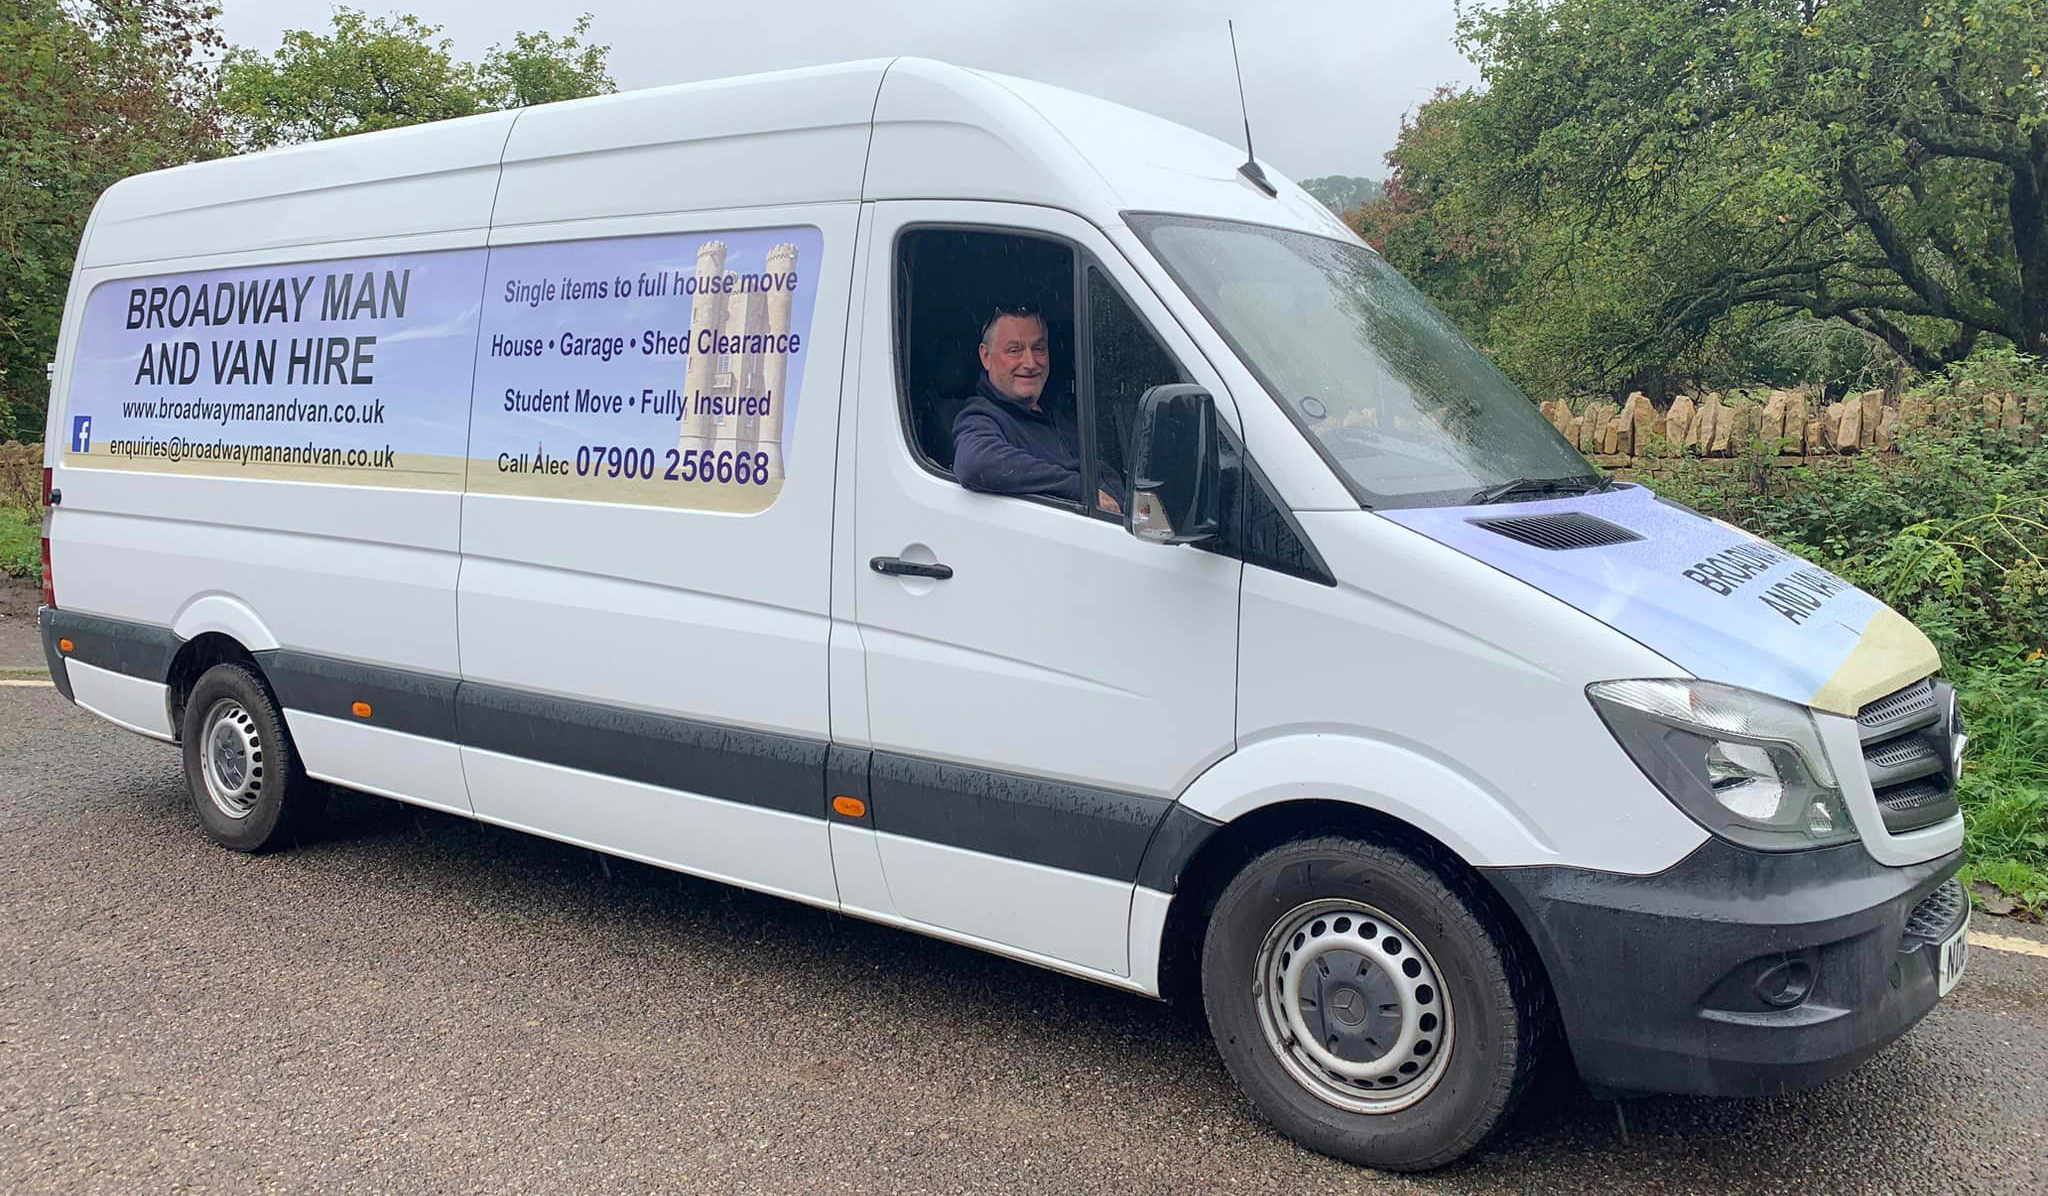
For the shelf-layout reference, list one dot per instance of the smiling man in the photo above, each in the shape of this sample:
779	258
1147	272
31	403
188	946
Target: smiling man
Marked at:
1005	441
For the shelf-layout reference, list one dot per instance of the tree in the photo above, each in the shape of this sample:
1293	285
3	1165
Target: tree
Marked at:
1673	177
1342	193
368	73
541	68
365	74
91	91
1466	260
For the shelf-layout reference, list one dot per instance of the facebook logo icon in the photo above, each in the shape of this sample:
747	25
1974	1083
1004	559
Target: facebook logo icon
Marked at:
81	434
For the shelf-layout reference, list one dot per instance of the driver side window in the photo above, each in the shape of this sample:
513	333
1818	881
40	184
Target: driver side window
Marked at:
1059	428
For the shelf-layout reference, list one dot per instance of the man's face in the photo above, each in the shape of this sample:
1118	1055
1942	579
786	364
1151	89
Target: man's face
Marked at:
1016	357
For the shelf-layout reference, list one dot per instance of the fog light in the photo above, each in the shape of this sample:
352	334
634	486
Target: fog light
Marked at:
1785	984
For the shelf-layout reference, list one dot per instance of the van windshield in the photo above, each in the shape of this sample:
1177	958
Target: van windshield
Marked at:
1398	400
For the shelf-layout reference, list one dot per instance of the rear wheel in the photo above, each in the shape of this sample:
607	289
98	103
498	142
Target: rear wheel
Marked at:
1369	1009
241	770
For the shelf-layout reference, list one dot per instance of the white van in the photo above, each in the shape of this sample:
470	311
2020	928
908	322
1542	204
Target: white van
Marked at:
587	470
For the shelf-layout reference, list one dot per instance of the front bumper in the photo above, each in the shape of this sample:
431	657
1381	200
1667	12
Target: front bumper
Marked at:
1737	972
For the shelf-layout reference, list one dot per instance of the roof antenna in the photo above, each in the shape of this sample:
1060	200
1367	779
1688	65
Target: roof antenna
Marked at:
1250	169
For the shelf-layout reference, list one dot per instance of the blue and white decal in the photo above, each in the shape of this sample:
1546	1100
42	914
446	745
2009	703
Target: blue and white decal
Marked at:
1706	595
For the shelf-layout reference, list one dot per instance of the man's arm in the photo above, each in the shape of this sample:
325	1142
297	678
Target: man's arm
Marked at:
1111	485
984	460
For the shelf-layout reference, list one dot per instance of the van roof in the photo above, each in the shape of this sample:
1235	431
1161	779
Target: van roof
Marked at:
904	128
943	130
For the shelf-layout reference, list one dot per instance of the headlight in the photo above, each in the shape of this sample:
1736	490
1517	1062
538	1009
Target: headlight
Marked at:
1748	767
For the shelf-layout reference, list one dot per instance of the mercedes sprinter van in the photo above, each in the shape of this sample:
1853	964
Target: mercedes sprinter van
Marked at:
588	470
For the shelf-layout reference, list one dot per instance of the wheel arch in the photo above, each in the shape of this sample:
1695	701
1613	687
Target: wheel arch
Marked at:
223	614
1442	798
216	629
1233	845
1280	789
193	658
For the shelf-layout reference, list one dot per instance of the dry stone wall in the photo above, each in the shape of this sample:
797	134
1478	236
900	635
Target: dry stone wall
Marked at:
1790	426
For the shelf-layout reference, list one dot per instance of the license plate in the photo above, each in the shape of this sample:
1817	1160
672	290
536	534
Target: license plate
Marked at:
1955	956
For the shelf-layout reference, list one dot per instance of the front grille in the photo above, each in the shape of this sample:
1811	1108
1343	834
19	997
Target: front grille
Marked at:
1937	915
1911	706
1900	753
1905	750
1571	529
1912	795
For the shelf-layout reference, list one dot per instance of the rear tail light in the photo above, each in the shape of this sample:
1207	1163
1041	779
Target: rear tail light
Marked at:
49	574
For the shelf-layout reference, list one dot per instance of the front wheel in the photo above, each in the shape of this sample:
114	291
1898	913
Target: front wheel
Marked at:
1369	1009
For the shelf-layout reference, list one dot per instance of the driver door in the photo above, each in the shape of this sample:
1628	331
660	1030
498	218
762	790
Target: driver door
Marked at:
1032	715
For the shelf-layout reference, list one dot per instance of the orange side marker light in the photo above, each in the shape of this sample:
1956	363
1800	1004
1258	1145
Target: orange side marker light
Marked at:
849	807
65	646
361	709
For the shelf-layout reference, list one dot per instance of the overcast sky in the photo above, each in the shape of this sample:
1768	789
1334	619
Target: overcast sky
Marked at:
1327	81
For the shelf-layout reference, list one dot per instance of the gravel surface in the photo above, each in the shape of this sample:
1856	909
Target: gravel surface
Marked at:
415	1003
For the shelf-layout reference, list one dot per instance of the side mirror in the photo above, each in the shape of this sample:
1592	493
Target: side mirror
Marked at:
1176	467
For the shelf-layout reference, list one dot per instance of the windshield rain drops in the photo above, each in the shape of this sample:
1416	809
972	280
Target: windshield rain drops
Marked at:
1398	400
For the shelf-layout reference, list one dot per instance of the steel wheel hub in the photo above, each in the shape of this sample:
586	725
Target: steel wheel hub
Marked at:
1353	1006
231	758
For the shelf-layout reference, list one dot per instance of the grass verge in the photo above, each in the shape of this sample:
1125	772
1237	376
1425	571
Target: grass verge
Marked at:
2005	779
21	533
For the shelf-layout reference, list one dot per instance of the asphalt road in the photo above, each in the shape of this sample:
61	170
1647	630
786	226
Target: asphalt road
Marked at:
415	1003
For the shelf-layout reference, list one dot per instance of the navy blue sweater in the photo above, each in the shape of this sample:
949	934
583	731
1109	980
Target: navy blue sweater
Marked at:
1003	447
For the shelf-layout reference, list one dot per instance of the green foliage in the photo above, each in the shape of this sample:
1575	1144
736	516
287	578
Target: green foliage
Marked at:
1651	187
2024	884
21	542
365	73
1952	533
541	68
2005	784
1465	258
90	91
21	509
368	73
1342	193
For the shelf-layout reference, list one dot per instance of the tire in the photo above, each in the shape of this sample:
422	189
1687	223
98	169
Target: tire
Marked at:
1434	1019
241	768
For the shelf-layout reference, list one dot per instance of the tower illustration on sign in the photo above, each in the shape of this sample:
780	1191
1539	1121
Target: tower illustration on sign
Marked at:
714	383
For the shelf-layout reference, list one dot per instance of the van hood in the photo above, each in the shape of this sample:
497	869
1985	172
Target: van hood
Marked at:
1707	596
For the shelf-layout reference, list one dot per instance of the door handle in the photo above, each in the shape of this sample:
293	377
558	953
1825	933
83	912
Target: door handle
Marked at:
896	566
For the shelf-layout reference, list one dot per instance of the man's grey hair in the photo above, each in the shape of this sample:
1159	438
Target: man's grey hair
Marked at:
1020	311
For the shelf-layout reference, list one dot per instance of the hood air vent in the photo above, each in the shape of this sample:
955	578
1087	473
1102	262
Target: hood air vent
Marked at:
1572	529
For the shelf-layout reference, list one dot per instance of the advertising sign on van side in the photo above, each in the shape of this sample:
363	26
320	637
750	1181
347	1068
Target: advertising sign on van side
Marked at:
354	371
657	370
662	371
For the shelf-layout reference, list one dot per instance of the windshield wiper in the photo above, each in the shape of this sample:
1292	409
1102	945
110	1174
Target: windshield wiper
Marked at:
1493	494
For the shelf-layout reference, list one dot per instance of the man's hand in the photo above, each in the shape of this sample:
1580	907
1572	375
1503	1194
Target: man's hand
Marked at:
1107	503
